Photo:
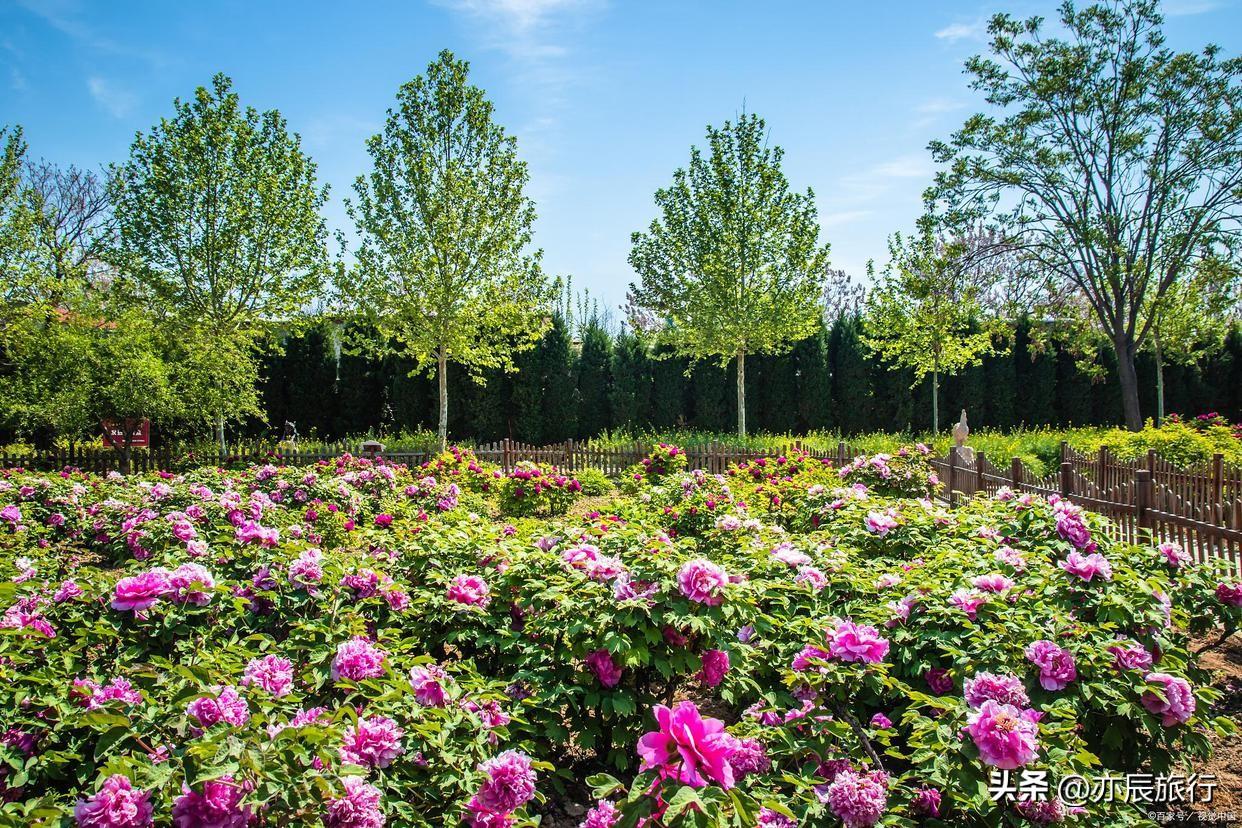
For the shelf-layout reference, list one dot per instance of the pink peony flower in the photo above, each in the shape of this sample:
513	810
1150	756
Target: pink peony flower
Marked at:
271	673
117	804
881	722
357	659
1056	666
138	593
1178	704
993	582
687	747
880	523
968	602
224	706
1003	689
772	819
858	799
850	642
812	577
358	808
372	742
67	591
470	590
1087	566
926	802
1229	594
603	815
1174	555
1130	655
182	582
702	581
938	680
218	806
607	671
429	683
509	785
715	667
1007	737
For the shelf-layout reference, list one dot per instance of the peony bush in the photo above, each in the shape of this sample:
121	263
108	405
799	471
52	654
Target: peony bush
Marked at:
360	644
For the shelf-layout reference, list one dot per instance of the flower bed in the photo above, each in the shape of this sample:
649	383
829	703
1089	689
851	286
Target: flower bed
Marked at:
359	644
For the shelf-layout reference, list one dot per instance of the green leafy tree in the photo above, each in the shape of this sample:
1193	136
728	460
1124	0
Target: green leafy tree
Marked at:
924	313
1113	161
20	287
444	270
220	236
1192	318
733	265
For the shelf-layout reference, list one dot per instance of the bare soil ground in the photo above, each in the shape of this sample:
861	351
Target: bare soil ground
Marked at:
1226	762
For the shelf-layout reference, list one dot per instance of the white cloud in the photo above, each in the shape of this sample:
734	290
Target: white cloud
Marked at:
963	31
116	100
843	217
904	166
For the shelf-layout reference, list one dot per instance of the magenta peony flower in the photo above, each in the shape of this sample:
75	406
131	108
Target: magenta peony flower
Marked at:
881	722
1003	689
383	521
802	661
1178	704
858	799
748	756
470	590
702	581
67	591
271	673
1070	525
509	785
1087	566
429	683
687	747
182	582
1174	555
1130	655
138	593
218	806
1229	594
771	819
1056	666
850	642
715	666
358	808
117	804
225	706
926	802
357	659
607	671
1007	737
938	680
603	815
372	743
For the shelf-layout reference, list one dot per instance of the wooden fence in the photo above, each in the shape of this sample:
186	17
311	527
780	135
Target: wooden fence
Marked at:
1199	507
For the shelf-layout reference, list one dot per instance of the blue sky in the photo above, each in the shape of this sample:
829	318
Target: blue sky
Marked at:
605	97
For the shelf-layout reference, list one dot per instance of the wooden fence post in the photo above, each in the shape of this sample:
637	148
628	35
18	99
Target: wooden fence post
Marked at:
840	453
952	482
980	480
1143	499
569	454
506	454
1218	475
1101	471
1015	473
1067	479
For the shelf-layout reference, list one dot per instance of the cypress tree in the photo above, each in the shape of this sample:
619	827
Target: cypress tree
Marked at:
526	398
814	382
777	393
713	398
631	383
594	380
1037	377
851	383
1074	392
668	389
560	392
1001	383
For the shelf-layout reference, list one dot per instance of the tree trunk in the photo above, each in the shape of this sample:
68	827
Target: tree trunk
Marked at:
224	450
1129	385
1159	380
442	372
741	393
935	402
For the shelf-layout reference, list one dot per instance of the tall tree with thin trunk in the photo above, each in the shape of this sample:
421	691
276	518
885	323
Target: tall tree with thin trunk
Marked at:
733	265
1115	162
445	271
220	231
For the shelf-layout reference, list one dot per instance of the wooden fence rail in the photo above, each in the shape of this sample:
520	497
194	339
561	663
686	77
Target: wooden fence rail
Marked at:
1199	507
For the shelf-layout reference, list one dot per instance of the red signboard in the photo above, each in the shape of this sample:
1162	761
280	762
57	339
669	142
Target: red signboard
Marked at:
114	433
